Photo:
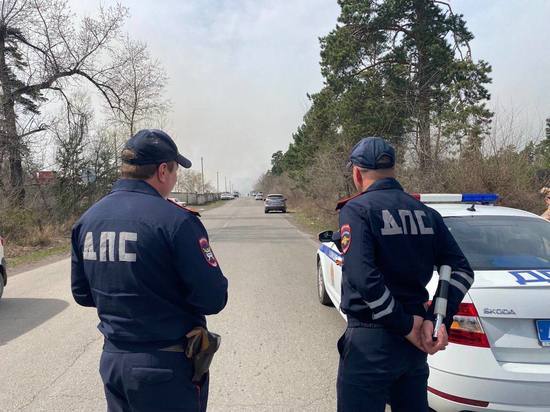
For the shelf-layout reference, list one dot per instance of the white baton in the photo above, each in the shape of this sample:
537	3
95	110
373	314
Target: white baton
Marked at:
440	308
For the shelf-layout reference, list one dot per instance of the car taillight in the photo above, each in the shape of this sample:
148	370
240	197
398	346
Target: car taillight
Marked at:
1	241
466	327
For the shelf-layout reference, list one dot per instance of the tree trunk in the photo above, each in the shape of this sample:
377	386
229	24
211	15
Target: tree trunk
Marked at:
11	141
423	85
16	174
424	138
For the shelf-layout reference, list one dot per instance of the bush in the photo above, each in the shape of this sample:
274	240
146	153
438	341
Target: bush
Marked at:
502	168
30	228
17	224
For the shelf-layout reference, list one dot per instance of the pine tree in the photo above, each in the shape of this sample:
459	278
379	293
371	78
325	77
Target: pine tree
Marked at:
413	58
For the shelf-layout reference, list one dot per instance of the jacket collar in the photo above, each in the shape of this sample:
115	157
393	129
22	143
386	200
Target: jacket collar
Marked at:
382	184
342	202
134	185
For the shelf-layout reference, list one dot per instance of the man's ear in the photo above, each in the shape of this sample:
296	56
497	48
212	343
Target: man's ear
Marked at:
161	172
357	176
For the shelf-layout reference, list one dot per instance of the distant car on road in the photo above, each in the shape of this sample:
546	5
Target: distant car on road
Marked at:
259	196
3	269
236	194
275	202
226	196
498	358
178	202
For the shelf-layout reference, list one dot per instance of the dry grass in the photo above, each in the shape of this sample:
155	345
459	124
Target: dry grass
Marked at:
31	236
502	167
23	255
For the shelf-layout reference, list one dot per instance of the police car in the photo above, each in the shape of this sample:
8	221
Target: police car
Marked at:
3	270
498	358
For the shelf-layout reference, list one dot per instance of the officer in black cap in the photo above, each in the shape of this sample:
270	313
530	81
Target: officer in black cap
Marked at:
147	266
391	243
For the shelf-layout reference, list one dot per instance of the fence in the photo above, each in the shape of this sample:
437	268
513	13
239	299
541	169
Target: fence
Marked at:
196	199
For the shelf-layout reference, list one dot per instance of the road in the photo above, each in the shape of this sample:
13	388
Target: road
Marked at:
279	344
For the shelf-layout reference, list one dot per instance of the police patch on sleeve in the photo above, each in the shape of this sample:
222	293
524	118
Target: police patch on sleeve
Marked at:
345	236
207	252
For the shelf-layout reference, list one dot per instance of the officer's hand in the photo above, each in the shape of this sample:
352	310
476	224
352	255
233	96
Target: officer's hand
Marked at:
415	336
430	346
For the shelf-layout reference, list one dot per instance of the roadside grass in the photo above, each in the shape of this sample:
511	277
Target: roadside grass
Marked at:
23	255
310	221
31	239
37	246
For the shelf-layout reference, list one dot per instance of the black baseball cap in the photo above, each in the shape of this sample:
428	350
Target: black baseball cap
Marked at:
372	153
153	146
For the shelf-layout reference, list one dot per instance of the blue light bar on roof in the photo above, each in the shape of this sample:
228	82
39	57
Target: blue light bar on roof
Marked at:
479	197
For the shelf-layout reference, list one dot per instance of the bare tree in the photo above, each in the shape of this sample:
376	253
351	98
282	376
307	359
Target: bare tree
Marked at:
190	181
140	80
42	51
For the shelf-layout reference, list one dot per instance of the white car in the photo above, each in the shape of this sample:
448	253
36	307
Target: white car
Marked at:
3	270
498	358
178	202
226	196
259	196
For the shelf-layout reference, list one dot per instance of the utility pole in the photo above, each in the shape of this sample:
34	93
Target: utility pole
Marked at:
225	183
218	182
202	174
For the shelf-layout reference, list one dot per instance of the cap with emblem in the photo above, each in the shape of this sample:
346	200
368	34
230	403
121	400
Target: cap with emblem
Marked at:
372	153
153	146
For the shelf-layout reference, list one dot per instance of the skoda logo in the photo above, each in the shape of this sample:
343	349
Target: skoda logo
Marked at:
491	311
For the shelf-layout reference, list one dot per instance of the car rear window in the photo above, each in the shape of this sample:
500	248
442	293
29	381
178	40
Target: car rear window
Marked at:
502	242
275	197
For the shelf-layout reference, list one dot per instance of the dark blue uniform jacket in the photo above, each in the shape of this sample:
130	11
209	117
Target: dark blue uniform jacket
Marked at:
146	265
392	243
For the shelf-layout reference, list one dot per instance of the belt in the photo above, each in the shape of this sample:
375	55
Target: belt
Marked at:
178	347
121	346
356	323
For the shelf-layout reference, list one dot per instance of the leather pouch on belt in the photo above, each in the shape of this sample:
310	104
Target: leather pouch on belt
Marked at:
201	347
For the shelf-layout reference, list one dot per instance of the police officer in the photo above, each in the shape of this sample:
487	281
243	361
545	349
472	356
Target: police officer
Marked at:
146	265
391	243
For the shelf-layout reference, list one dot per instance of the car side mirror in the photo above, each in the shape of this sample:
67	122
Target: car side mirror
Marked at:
326	236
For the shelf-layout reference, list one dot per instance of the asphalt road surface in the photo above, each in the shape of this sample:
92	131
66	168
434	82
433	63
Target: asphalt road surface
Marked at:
278	348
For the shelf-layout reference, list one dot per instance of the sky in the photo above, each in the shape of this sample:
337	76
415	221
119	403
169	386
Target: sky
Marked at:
240	70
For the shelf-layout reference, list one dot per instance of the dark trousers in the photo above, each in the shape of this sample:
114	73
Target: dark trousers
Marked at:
154	381
378	367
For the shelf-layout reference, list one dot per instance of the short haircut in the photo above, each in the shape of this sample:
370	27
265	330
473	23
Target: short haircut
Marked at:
139	172
378	173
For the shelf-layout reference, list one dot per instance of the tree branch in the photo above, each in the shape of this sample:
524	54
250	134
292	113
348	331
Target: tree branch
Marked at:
43	127
378	63
457	43
46	33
